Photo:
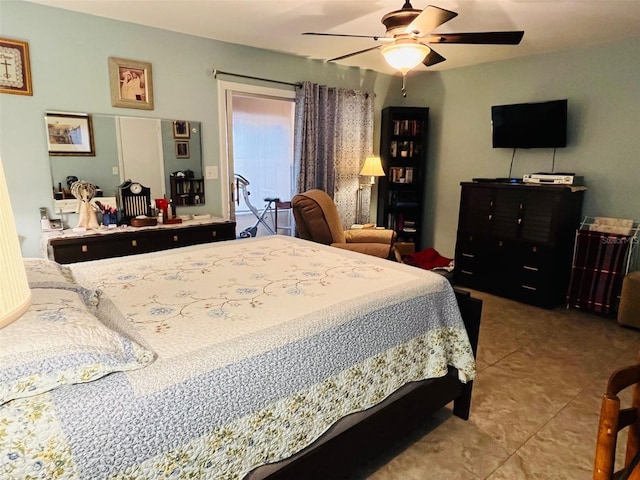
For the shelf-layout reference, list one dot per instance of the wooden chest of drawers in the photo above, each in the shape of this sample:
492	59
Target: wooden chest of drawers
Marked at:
517	241
121	243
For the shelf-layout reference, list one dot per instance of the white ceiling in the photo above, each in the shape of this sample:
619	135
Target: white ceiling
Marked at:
277	24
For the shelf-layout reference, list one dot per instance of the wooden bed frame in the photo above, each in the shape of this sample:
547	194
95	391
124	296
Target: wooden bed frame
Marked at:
360	442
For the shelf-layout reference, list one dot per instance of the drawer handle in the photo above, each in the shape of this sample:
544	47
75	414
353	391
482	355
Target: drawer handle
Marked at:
175	238
529	287
134	243
85	249
527	267
214	233
468	255
490	217
466	272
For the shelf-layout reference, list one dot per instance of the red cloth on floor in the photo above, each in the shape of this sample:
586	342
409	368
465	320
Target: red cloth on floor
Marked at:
427	259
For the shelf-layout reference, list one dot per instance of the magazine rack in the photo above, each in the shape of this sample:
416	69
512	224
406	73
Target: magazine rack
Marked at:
602	255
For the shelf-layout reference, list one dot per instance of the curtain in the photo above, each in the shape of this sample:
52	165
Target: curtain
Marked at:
333	135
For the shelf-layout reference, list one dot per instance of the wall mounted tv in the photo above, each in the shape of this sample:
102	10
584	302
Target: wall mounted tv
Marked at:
530	125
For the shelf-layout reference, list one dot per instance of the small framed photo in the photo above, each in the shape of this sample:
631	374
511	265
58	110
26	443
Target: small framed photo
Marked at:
131	83
181	129
182	149
55	224
16	68
69	134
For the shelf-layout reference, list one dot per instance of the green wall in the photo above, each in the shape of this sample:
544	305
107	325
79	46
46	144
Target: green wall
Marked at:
69	65
602	85
69	54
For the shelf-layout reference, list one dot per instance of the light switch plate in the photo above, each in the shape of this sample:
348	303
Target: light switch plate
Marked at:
211	172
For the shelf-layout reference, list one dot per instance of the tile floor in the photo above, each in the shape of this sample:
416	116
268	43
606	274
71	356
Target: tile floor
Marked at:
535	405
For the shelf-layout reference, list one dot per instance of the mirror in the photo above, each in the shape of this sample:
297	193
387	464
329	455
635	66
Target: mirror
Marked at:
147	150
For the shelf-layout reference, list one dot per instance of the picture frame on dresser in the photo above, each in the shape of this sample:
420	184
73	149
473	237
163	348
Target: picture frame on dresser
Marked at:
16	77
131	83
69	134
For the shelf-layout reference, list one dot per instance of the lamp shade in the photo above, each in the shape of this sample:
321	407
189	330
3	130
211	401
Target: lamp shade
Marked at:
372	167
15	295
405	54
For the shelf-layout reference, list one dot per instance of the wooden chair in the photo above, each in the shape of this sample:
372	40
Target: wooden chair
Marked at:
612	420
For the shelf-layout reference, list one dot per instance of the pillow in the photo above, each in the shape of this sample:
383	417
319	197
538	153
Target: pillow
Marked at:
40	270
42	273
58	341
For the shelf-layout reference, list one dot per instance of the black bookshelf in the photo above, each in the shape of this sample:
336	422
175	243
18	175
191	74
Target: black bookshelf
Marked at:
403	150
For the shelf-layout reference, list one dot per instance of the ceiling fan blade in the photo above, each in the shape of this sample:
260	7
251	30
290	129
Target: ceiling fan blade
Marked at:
353	53
375	37
487	38
430	19
432	58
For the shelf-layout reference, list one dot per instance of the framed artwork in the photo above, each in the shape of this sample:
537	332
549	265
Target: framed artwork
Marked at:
181	129
69	134
182	149
15	68
131	83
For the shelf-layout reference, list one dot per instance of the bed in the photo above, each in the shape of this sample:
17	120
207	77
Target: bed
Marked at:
251	358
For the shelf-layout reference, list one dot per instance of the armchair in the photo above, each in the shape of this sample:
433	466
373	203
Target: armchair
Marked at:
317	220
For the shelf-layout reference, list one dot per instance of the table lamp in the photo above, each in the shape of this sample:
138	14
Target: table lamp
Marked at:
15	295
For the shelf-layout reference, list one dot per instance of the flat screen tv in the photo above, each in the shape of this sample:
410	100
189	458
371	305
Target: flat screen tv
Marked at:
530	125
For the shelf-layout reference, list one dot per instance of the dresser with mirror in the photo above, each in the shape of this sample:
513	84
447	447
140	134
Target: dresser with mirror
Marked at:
156	153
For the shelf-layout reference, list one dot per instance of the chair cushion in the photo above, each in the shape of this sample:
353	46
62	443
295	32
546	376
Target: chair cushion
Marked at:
370	235
382	250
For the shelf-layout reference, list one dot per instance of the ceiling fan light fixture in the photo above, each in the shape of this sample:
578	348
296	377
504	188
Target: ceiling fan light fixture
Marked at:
405	54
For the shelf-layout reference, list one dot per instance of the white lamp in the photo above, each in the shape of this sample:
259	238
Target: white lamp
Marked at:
15	295
372	168
405	54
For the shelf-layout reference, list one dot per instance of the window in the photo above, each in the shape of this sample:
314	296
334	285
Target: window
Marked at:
262	133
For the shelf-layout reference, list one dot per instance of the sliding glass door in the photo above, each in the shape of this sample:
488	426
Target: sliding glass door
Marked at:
259	141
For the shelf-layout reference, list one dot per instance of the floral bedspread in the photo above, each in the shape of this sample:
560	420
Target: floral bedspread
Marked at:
262	344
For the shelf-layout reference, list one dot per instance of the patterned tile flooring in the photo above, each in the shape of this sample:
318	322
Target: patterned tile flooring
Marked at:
535	405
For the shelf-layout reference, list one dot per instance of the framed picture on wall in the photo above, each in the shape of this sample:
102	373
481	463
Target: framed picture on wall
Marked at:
69	134
182	149
181	129
16	69
131	83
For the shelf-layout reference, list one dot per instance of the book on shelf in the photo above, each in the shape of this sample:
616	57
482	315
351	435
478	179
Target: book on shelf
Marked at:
409	226
408	175
407	127
401	174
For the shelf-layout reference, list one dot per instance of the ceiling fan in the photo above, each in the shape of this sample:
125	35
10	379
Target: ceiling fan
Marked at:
409	30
